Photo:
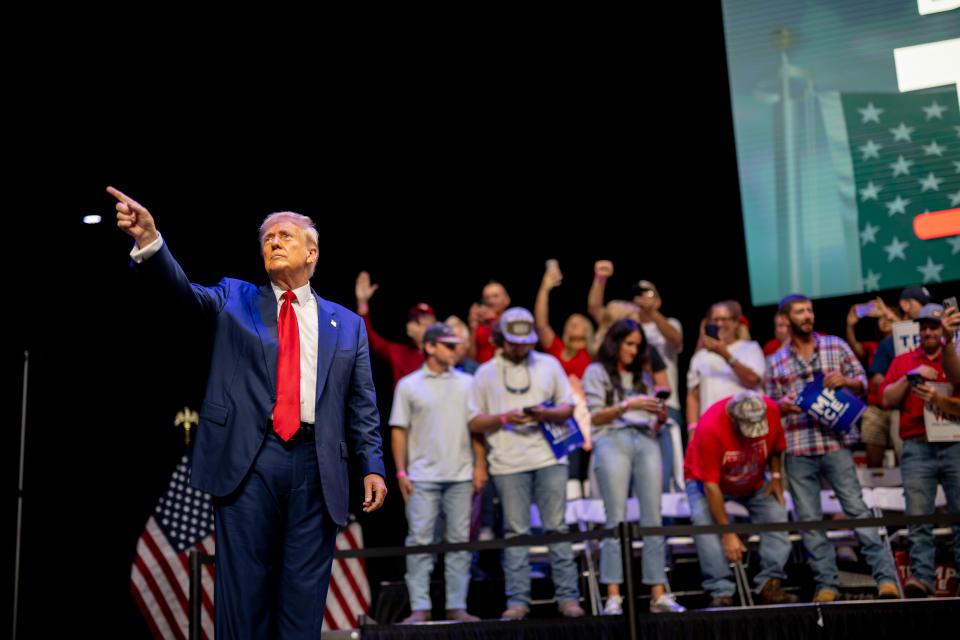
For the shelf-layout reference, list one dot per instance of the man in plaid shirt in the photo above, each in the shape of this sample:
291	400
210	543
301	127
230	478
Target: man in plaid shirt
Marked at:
815	449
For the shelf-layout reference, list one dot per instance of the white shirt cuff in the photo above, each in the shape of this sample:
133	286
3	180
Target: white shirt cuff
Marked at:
139	254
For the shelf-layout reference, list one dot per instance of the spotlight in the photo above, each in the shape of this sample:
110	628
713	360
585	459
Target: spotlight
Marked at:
94	219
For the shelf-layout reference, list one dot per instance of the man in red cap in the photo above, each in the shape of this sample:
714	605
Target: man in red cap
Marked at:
404	357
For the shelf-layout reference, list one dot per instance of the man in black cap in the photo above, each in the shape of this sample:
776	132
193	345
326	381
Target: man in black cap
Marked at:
436	469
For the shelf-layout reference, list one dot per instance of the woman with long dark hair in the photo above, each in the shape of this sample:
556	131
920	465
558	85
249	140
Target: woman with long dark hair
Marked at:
620	390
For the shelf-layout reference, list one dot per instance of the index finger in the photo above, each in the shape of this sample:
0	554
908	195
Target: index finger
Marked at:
124	198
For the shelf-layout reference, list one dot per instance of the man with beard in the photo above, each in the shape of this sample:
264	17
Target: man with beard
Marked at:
815	449
513	392
924	463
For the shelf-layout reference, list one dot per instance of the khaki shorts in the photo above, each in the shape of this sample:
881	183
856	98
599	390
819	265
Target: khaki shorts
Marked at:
875	426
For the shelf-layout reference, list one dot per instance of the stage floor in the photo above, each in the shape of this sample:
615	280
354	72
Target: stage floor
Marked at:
874	620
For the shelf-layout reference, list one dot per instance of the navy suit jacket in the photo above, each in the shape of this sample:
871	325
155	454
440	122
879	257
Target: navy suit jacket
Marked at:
241	389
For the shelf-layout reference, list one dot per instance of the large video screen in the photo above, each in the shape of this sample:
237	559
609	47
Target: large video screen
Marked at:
847	129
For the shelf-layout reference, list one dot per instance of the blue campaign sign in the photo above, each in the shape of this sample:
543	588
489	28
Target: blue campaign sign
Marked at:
563	438
837	408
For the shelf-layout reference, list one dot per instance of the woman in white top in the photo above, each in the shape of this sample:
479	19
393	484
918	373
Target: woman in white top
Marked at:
726	365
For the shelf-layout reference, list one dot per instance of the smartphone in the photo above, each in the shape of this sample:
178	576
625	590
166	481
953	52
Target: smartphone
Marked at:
914	379
864	310
949	303
529	410
711	330
552	264
662	394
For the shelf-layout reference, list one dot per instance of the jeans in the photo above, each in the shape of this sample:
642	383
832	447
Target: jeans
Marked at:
423	510
714	566
618	455
548	488
924	465
837	467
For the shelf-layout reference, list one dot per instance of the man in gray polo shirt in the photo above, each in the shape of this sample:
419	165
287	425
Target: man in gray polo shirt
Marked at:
511	394
439	465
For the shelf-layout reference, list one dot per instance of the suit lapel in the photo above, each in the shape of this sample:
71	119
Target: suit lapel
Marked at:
328	333
267	329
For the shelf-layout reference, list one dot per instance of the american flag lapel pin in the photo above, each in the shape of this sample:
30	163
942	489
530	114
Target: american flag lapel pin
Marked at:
333	323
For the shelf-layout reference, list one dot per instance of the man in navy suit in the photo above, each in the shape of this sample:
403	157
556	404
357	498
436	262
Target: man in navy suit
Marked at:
279	498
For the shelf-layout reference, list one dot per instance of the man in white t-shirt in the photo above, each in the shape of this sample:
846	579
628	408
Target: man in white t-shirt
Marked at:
436	469
512	393
725	366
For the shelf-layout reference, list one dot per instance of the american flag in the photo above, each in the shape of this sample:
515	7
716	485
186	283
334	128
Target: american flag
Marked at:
160	577
183	520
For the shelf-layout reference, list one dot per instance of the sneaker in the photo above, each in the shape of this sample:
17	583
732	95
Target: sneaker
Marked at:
665	604
571	609
515	612
914	588
773	593
721	601
613	606
888	591
826	595
419	615
461	615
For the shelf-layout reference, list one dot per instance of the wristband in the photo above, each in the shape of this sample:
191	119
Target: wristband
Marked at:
775	475
600	279
401	474
732	360
622	407
503	419
363	308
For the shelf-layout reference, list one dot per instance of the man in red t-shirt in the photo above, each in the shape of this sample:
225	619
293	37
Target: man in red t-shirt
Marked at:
916	379
734	441
483	317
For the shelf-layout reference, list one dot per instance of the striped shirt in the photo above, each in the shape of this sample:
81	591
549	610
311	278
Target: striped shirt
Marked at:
788	372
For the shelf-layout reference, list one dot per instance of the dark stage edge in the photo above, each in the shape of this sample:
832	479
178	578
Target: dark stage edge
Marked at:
874	620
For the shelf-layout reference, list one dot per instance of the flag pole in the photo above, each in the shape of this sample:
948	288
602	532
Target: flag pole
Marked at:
23	441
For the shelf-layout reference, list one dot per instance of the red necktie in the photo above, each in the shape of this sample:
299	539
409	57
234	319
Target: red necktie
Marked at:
286	413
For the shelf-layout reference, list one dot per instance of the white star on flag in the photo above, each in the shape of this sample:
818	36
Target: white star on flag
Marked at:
895	249
954	198
902	165
870	113
870	191
930	182
954	243
897	205
933	149
930	271
934	110
869	234
871	281
902	132
871	150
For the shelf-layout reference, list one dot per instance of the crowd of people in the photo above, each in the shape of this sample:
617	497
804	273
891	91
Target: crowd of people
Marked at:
471	400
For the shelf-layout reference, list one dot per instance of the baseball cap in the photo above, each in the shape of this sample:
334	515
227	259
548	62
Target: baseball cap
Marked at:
932	311
750	411
643	286
916	292
440	332
420	309
517	326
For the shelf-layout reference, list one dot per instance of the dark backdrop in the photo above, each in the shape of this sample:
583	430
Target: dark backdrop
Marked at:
434	172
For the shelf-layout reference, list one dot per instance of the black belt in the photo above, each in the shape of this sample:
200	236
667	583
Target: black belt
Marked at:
306	433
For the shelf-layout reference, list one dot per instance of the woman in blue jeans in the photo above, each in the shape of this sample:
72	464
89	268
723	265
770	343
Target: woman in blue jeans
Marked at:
619	387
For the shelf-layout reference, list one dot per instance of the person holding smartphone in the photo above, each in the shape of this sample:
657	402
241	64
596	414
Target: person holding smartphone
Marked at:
620	387
511	394
914	381
725	366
